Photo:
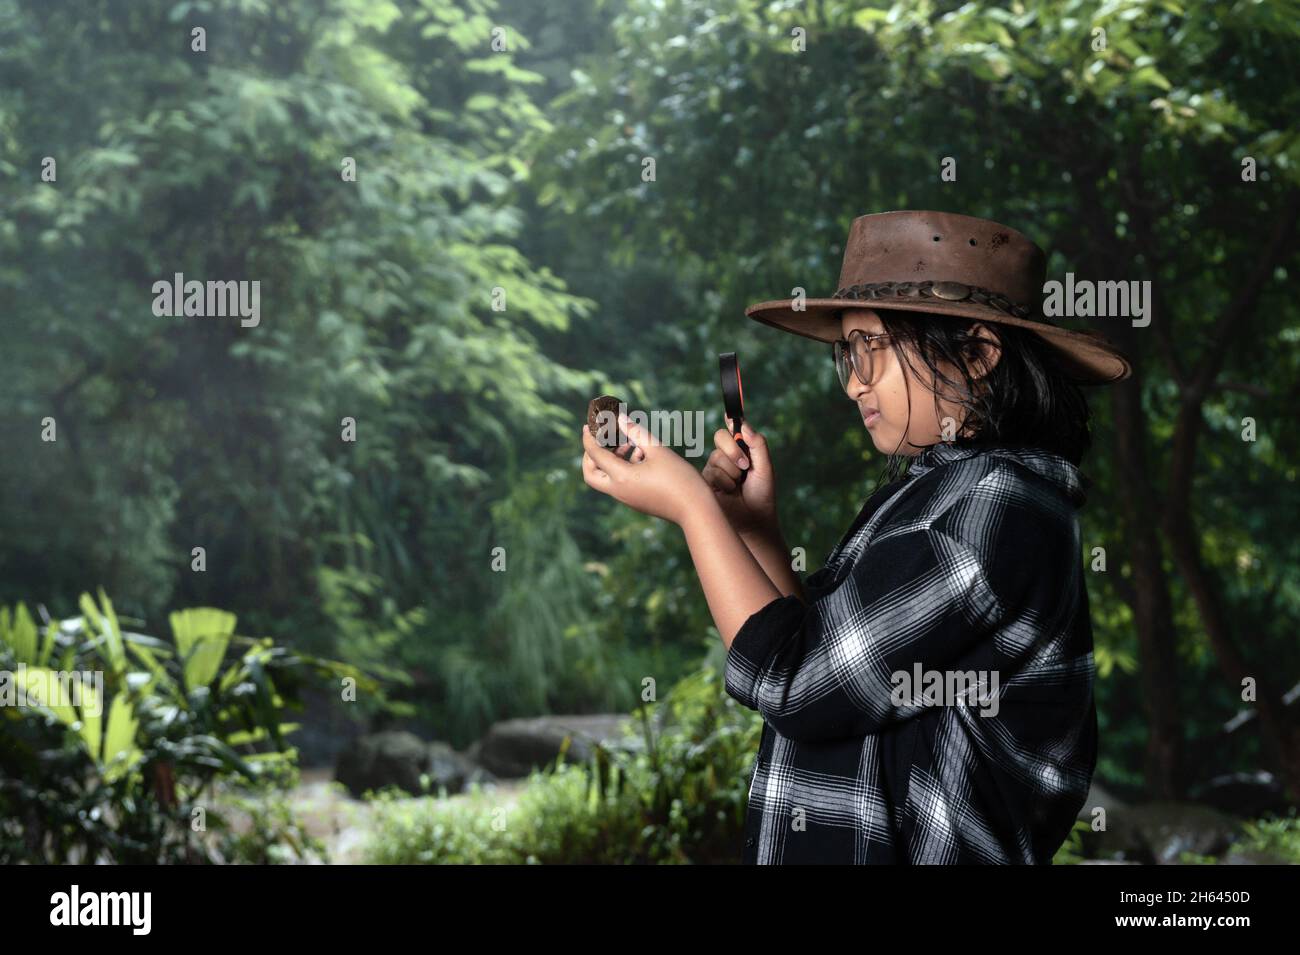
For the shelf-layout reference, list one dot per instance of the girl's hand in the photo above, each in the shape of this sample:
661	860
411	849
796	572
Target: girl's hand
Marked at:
658	481
749	505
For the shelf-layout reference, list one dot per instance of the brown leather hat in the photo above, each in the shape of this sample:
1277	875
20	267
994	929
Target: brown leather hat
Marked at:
947	264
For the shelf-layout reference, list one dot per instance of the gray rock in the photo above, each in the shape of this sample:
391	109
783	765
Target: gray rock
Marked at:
513	748
1254	857
1247	795
455	771
389	758
1107	862
1158	832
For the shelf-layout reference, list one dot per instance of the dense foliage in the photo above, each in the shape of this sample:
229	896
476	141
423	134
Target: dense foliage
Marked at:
114	743
677	798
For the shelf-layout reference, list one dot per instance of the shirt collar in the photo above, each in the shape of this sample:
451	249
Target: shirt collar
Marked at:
1046	464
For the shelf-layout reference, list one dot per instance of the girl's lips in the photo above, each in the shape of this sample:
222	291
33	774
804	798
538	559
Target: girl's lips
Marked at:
870	418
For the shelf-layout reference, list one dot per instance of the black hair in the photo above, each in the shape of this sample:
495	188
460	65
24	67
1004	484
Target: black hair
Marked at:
1025	400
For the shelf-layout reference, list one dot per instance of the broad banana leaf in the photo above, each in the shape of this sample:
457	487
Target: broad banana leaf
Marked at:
120	752
202	636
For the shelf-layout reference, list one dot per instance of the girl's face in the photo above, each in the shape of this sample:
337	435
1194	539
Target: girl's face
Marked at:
894	428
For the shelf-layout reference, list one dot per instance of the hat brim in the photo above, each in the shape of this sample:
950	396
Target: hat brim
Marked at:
1087	357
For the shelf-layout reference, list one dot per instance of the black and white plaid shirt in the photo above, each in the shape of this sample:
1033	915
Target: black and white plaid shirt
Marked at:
968	568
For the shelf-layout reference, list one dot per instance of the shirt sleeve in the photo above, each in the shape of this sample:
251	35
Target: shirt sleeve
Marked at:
815	582
846	664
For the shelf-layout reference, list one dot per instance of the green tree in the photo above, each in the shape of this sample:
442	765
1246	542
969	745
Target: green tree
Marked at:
377	305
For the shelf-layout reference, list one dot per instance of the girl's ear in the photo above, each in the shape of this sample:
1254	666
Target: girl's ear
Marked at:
983	351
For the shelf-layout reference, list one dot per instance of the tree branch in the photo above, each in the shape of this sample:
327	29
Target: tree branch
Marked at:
1259	391
1234	317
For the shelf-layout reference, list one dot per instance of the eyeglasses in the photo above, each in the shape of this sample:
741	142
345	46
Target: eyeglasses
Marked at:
854	356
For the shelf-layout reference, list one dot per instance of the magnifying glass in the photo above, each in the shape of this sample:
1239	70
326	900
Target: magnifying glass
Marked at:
733	399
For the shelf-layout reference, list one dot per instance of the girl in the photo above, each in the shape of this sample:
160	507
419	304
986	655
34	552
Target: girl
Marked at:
927	694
